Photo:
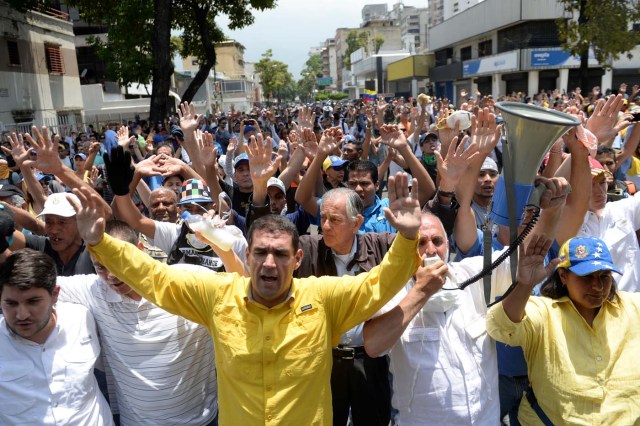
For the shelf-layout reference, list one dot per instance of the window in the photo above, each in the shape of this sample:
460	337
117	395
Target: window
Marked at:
465	53
484	48
55	64
194	62
14	53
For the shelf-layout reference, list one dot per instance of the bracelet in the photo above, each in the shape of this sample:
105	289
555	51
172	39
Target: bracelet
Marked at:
555	152
446	194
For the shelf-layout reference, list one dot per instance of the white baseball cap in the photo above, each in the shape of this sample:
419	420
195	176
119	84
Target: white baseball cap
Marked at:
58	204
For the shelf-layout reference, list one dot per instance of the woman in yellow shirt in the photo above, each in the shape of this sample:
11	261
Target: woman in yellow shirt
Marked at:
581	339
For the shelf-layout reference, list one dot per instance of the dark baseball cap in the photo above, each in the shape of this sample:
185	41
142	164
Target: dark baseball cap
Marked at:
7	190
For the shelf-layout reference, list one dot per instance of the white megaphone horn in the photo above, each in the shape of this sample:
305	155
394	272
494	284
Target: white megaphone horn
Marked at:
528	133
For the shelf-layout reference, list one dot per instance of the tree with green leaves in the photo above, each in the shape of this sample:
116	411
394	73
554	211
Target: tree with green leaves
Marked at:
311	72
355	40
138	46
274	76
602	25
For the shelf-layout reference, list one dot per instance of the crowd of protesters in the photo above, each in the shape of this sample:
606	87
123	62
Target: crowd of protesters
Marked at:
327	293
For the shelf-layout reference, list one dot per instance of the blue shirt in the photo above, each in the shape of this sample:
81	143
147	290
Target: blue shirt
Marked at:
374	219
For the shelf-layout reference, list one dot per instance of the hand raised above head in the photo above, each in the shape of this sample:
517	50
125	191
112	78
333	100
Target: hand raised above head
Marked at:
404	209
262	165
119	170
47	160
189	119
89	212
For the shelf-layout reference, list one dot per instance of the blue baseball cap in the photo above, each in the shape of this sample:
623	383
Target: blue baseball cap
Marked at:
586	255
239	159
333	161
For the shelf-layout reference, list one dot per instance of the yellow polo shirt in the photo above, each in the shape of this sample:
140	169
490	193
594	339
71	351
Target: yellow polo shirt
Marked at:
580	375
274	365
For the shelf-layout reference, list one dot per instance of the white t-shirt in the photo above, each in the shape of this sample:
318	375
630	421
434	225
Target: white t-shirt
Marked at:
167	234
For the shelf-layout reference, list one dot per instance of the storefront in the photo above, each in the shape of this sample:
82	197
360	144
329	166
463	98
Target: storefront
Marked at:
408	77
494	74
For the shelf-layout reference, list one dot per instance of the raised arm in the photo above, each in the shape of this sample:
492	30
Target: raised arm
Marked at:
120	173
20	155
48	161
630	145
485	135
531	271
576	167
261	167
604	123
305	194
393	137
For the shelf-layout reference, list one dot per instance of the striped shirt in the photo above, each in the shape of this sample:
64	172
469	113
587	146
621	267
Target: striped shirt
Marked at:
160	367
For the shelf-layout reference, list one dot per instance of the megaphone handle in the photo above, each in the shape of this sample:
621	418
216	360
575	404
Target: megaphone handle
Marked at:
536	195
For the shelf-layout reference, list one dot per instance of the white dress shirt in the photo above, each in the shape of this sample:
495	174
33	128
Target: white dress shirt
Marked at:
617	228
444	366
160	367
53	383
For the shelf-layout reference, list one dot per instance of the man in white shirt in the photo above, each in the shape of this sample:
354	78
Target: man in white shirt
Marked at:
160	367
444	364
47	350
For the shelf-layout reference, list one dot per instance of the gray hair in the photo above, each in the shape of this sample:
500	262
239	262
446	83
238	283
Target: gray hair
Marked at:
16	200
353	202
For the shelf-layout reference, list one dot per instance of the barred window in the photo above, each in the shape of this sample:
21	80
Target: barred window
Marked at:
55	63
14	53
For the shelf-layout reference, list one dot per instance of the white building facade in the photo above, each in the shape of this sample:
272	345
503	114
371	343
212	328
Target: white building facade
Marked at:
39	79
497	47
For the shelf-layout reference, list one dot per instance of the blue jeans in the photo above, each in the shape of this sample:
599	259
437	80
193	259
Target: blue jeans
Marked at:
511	391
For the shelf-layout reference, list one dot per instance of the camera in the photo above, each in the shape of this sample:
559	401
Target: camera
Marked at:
636	117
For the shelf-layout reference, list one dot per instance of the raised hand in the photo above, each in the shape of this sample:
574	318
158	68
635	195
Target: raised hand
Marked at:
293	139
485	133
19	153
206	148
94	177
189	120
306	117
261	163
404	210
531	268
150	166
170	166
393	137
233	142
119	170
309	143
47	160
283	149
604	119
453	166
88	214
123	137
329	141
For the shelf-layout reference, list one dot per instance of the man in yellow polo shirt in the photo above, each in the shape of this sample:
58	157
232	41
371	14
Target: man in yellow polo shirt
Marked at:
272	334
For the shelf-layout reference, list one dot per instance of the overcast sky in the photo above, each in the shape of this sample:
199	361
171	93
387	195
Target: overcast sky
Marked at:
296	25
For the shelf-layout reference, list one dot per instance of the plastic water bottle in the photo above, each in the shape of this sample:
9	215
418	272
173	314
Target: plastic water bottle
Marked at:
221	235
